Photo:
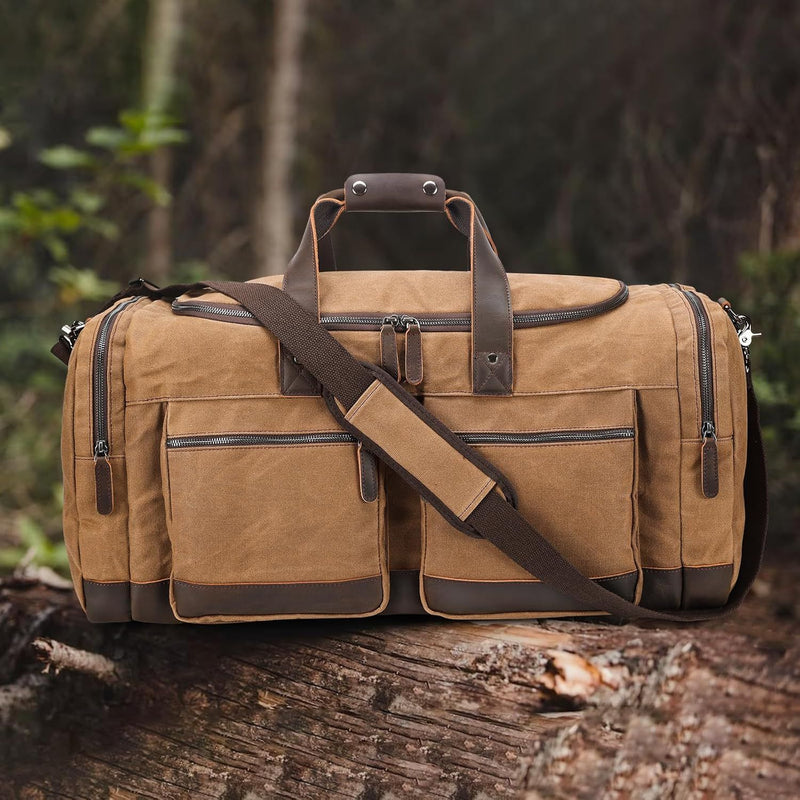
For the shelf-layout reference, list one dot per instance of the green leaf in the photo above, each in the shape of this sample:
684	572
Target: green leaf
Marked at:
57	248
162	137
147	186
87	201
110	138
65	157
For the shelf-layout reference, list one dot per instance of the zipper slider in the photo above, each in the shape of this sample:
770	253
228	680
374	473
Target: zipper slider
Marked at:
103	478
413	347
390	357
709	463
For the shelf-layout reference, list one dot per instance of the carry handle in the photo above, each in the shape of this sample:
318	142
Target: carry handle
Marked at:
492	320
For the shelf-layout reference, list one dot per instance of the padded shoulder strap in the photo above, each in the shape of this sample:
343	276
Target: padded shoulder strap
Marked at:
471	494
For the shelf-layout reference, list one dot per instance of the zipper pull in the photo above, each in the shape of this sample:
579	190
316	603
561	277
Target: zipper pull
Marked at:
390	358
709	468
103	479
413	344
367	475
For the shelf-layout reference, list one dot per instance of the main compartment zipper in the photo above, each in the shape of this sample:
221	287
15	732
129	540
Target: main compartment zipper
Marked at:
337	437
705	365
424	322
100	402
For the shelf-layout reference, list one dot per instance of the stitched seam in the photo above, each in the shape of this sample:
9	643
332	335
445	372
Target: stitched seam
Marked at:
280	583
475	500
361	402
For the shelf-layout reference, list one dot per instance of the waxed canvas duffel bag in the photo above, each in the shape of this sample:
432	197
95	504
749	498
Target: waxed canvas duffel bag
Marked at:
473	444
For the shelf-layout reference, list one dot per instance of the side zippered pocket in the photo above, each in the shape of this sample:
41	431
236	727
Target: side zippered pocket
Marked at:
709	459
104	494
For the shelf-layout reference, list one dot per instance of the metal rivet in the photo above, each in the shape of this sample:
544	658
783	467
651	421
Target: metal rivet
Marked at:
359	187
430	187
295	361
491	358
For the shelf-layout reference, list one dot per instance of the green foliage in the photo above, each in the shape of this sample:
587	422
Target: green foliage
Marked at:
772	299
41	230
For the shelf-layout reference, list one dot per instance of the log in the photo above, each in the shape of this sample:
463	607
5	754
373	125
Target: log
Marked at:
400	707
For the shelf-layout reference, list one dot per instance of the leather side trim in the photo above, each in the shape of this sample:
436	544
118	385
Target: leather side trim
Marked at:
150	602
260	599
512	597
686	587
404	593
107	601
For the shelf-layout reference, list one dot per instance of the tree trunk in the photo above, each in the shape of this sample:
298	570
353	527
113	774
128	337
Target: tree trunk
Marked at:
274	225
161	51
396	708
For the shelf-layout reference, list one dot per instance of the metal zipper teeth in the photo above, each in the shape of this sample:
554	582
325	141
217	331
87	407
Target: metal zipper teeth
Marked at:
530	319
333	437
705	361
549	437
100	378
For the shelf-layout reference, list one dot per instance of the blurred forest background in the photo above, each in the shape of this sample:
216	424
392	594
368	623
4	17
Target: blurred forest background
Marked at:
176	139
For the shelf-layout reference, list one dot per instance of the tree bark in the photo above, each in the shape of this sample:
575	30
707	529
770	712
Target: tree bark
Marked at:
396	708
274	223
161	52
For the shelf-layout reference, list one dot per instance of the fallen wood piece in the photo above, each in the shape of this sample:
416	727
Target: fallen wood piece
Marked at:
58	656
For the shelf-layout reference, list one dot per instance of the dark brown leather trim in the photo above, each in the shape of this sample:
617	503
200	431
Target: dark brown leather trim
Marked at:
266	599
414	367
394	191
404	593
390	359
104	486
150	602
710	467
706	587
368	475
107	601
686	587
512	597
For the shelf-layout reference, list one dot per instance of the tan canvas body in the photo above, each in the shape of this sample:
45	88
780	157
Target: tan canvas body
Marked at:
219	531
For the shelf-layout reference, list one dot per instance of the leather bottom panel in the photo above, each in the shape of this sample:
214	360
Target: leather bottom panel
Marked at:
107	601
261	599
687	587
150	602
404	593
512	597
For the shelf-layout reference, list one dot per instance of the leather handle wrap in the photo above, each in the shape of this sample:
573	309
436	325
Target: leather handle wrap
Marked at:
495	517
394	191
491	312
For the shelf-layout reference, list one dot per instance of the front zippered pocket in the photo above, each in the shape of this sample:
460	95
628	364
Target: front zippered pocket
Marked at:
101	447
705	366
265	519
336	437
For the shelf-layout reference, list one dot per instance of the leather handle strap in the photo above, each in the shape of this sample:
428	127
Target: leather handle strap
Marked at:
492	317
493	516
